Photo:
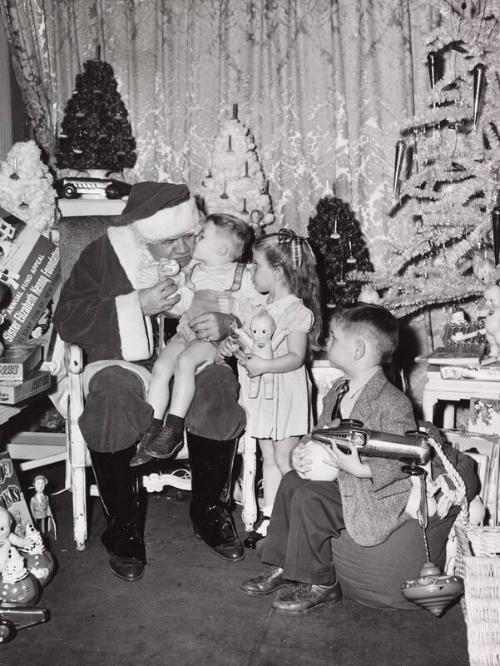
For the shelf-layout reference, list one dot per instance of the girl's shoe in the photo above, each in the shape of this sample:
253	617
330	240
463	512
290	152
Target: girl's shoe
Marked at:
257	534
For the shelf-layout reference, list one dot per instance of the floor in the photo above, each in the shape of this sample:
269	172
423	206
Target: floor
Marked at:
188	610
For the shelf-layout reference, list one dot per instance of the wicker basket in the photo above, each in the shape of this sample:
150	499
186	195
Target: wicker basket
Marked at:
478	562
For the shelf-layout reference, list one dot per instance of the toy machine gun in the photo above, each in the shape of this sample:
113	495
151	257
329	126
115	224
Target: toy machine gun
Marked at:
412	448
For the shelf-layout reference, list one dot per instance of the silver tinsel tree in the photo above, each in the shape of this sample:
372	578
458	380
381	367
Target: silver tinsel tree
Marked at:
451	152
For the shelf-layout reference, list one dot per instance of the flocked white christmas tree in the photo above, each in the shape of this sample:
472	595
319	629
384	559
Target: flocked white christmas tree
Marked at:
452	151
235	181
26	189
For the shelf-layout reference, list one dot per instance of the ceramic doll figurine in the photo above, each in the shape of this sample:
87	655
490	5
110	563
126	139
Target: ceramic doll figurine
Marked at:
17	585
39	561
40	507
7	538
492	321
260	342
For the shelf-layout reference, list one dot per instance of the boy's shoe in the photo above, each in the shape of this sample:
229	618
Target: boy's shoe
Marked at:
267	582
305	597
166	444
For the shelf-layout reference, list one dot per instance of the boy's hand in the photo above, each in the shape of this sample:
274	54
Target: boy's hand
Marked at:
301	461
349	462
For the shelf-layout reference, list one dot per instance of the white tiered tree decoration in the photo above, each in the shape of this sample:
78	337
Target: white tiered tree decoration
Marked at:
445	253
235	181
26	189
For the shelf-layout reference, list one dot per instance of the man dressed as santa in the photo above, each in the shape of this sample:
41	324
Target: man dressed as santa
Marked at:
105	309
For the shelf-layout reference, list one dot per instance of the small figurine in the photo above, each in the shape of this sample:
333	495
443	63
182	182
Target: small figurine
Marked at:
7	538
17	585
40	507
39	561
492	321
261	343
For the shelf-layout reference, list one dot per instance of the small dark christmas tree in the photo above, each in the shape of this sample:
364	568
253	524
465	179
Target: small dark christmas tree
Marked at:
336	238
96	133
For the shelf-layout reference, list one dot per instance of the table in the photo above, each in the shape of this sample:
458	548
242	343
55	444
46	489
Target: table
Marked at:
453	391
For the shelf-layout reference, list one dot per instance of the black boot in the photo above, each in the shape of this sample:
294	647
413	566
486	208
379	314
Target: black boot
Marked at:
211	468
119	491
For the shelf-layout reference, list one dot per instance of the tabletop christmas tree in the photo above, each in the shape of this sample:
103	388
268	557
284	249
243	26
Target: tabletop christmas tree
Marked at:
235	181
336	238
26	188
449	202
96	132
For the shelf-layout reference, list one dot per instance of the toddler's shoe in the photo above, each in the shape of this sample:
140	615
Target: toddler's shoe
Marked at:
141	457
305	597
166	444
267	582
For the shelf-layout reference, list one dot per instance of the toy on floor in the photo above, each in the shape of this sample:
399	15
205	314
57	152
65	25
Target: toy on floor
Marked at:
7	539
39	561
18	585
40	507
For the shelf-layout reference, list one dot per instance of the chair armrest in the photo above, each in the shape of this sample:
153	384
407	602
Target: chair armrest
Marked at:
74	359
74	364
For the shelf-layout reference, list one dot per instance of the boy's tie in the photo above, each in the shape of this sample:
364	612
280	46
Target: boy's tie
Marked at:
342	389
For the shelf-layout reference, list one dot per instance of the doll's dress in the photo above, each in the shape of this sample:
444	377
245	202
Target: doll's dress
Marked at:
289	412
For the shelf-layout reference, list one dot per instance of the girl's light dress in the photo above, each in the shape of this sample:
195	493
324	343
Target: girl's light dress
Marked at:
289	412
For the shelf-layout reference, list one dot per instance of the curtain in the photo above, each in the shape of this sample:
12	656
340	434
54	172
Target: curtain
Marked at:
324	86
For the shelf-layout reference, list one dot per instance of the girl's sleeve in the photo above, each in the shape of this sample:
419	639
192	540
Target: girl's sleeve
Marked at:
298	318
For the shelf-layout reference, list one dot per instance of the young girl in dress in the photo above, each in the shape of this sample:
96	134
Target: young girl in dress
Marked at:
285	270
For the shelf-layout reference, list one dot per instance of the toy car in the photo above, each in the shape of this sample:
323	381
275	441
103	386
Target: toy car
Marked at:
109	188
14	617
411	448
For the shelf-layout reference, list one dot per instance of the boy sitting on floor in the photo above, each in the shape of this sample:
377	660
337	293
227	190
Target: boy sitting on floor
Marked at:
368	498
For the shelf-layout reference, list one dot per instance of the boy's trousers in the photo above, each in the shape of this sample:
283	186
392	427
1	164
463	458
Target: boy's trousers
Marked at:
306	514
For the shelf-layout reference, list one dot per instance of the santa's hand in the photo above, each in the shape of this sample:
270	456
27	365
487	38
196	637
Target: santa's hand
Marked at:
301	457
211	325
159	298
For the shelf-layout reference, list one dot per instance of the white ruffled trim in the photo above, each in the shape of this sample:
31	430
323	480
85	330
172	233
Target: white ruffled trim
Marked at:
136	334
136	331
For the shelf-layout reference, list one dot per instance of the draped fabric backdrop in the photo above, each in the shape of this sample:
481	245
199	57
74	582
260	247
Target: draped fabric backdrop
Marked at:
323	84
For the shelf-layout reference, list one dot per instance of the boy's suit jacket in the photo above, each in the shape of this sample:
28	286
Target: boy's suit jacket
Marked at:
374	508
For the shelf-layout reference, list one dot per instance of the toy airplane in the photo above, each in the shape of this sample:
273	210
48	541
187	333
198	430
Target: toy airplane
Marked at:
410	448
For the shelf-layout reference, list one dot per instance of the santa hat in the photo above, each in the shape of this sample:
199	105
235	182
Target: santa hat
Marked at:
160	211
